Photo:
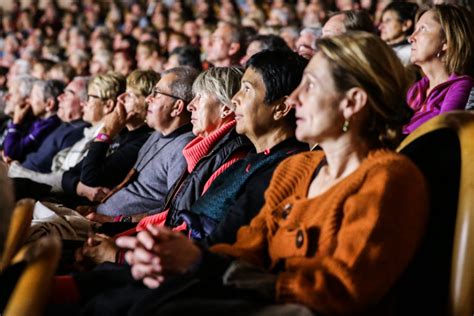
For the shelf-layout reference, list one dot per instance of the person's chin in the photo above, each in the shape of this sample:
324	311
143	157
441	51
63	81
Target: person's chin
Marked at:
239	129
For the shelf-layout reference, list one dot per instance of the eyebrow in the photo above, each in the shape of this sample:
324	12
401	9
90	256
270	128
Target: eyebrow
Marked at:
70	91
249	82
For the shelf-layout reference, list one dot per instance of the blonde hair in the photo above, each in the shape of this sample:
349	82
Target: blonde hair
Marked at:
456	23
109	86
221	82
361	59
142	81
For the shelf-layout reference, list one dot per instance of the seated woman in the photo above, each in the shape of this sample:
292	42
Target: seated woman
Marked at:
398	22
115	148
442	45
338	227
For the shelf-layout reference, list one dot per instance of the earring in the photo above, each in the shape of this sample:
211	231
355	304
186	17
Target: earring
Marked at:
438	55
345	126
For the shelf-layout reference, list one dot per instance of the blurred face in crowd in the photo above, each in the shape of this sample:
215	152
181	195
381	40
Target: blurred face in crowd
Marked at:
221	48
305	45
69	106
134	104
290	38
252	49
122	64
392	29
39	105
334	26
427	40
12	99
173	61
160	104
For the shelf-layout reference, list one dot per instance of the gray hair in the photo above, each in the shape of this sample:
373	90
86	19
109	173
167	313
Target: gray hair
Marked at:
221	82
104	57
317	32
182	87
6	206
293	30
51	89
81	55
25	84
84	80
23	67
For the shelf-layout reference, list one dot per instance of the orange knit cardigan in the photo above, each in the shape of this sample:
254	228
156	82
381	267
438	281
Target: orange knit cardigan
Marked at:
340	252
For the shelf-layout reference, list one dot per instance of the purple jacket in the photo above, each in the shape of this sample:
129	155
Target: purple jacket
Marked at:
16	145
447	96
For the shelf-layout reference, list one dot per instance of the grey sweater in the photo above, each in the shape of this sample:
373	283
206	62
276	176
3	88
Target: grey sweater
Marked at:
160	163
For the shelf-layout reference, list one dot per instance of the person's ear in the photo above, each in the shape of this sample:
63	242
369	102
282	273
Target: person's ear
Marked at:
178	108
226	111
444	48
50	105
109	106
406	25
282	108
234	48
355	99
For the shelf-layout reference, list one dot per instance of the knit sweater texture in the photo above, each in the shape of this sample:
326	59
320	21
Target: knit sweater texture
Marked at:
340	252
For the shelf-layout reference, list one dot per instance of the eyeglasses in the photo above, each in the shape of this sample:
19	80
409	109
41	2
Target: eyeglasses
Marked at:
155	92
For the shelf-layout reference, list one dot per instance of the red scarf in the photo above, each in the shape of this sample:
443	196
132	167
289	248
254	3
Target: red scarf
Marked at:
201	146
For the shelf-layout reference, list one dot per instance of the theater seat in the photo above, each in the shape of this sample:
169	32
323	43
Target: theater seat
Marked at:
17	230
30	294
440	280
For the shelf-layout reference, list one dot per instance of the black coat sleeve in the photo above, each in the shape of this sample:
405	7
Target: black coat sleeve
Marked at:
71	178
99	170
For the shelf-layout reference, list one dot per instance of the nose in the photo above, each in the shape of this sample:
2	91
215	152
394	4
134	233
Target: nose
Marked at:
293	100
244	60
148	99
121	98
235	100
411	38
191	106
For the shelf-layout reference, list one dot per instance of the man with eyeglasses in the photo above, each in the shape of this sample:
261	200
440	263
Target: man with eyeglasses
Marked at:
160	162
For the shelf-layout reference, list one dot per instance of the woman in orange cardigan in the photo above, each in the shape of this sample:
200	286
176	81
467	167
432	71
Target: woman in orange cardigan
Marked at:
339	226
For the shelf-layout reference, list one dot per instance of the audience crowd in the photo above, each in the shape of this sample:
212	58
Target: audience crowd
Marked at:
226	156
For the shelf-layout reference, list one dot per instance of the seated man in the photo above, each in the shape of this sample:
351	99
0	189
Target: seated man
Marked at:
43	105
19	90
70	113
160	161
